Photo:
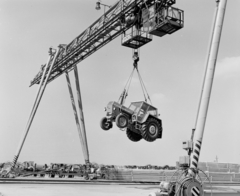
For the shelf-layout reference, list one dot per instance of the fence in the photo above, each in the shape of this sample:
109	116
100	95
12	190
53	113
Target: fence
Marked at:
215	172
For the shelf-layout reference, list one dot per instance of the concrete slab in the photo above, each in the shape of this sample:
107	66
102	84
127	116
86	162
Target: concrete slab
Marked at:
223	190
73	188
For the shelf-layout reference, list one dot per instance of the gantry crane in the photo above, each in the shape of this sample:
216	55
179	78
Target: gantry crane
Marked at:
135	20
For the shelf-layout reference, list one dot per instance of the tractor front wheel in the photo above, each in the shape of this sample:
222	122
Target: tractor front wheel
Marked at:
151	130
133	136
122	121
105	124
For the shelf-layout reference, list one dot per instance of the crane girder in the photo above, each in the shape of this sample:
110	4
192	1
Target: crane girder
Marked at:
101	32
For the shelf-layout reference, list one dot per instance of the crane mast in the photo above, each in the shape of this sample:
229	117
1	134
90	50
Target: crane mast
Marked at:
101	32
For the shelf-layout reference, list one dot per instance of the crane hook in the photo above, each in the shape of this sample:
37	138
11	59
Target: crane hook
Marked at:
135	59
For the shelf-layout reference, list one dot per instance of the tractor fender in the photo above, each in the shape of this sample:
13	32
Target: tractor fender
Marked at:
146	117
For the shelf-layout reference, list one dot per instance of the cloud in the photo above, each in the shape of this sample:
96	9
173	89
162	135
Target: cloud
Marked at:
228	67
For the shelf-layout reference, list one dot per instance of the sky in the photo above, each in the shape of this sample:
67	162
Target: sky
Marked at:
172	68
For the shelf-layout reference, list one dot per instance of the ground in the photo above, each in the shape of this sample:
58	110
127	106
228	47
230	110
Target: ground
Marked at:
92	189
75	189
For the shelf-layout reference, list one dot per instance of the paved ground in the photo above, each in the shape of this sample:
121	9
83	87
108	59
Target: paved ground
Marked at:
99	189
75	189
222	190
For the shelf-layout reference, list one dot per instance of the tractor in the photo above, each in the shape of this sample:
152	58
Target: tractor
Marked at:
140	120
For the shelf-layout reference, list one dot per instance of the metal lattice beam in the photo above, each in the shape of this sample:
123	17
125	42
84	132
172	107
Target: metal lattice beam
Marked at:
101	32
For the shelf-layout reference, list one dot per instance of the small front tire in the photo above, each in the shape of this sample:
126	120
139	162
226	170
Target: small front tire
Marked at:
105	124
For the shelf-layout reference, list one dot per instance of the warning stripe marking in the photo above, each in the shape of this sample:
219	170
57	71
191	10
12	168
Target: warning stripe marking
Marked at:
196	153
195	191
14	160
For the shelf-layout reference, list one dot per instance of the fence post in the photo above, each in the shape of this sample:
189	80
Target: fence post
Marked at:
132	174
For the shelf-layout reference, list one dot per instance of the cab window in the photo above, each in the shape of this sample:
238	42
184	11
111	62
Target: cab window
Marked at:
134	106
153	111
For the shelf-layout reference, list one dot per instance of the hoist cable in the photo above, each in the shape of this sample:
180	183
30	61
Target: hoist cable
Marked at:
136	55
139	77
130	80
126	87
144	87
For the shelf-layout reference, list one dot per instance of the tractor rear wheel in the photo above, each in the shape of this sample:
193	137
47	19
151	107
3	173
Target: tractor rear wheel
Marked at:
122	121
105	125
133	136
151	130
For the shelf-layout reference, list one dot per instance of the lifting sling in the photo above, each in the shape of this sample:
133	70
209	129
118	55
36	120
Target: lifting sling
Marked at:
127	86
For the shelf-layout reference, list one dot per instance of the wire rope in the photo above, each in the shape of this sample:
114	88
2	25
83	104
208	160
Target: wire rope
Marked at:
126	87
128	83
144	87
139	77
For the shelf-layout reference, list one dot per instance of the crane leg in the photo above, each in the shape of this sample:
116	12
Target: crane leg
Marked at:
85	154
42	86
82	123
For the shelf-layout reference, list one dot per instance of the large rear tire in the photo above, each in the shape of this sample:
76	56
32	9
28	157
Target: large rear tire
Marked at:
105	125
121	121
152	130
133	136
